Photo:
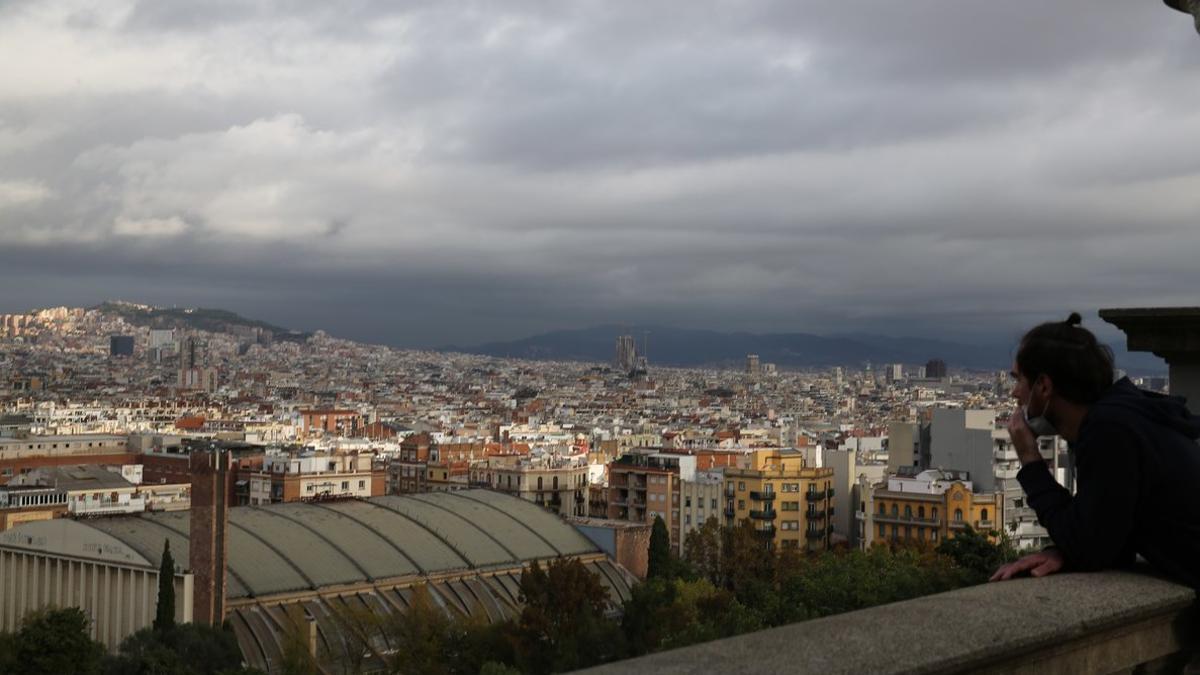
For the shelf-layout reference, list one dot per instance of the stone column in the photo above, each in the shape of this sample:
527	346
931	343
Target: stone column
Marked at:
1171	333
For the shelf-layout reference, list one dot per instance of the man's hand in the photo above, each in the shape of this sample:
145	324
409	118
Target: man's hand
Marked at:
1023	440
1037	564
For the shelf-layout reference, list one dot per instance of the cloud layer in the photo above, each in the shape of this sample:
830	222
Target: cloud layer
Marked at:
432	172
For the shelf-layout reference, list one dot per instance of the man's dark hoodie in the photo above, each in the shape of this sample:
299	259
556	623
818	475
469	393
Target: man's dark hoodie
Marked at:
1137	487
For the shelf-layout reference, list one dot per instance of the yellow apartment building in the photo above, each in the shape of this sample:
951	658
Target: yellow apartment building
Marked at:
929	507
789	504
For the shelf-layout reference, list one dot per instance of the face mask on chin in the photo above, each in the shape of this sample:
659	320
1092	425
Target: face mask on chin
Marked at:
1040	426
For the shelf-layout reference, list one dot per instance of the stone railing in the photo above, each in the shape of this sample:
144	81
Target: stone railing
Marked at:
1106	622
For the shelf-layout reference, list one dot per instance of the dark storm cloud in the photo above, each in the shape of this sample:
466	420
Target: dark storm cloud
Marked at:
436	172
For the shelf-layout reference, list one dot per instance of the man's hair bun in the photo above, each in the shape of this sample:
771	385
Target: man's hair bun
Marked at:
1074	319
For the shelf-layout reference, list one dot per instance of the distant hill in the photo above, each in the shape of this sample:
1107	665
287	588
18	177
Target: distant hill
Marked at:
687	347
212	320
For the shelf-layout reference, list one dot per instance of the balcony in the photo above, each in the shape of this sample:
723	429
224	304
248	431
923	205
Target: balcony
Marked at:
762	496
815	514
1065	623
815	496
729	512
768	514
829	493
885	518
766	532
814	534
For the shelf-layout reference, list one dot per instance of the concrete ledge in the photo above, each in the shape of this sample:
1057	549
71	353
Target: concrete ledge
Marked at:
1071	623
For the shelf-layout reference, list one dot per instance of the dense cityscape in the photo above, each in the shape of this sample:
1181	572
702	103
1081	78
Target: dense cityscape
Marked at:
107	412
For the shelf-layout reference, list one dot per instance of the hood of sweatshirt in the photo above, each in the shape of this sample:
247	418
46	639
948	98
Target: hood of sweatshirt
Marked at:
1169	411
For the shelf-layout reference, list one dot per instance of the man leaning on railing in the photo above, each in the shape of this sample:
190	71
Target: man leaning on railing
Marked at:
1137	462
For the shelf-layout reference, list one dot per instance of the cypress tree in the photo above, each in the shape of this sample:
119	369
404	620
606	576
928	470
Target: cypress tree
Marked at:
164	616
660	551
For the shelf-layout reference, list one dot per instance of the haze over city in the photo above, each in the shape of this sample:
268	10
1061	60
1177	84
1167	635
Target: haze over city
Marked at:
433	173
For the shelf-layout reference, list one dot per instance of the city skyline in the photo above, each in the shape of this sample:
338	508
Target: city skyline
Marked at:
416	175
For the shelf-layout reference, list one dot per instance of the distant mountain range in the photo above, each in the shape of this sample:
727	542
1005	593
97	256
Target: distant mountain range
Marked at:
212	320
688	347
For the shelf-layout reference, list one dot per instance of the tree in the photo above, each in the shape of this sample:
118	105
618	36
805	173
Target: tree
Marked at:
976	554
563	624
419	636
182	649
164	613
702	550
660	551
55	642
669	613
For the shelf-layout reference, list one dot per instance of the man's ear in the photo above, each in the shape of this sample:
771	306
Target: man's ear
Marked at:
1045	386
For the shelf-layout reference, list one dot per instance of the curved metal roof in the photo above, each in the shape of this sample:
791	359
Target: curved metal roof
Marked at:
302	546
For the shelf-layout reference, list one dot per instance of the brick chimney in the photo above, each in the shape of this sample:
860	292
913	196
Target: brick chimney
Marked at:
211	476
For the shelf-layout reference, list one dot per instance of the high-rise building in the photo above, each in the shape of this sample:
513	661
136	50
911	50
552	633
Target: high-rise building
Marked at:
752	366
161	339
935	369
626	357
194	369
120	345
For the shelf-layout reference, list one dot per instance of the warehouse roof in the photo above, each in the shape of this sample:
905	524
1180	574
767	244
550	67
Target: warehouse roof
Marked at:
305	546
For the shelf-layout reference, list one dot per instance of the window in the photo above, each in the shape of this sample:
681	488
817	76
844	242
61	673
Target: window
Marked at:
741	486
345	485
958	515
933	535
687	502
714	502
907	511
741	504
983	515
882	509
362	484
556	482
687	519
539	482
921	512
882	530
934	516
908	531
895	511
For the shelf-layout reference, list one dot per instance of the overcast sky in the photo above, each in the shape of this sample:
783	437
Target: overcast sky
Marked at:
440	172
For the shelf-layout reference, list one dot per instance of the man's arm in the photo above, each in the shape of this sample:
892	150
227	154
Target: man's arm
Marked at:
1093	528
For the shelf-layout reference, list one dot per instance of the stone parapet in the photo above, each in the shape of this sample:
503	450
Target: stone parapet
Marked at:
1105	622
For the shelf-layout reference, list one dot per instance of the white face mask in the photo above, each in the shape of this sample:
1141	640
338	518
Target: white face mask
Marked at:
1040	426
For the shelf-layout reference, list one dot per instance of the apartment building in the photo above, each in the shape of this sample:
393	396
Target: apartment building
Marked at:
292	478
644	484
789	503
701	498
928	507
555	481
22	454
